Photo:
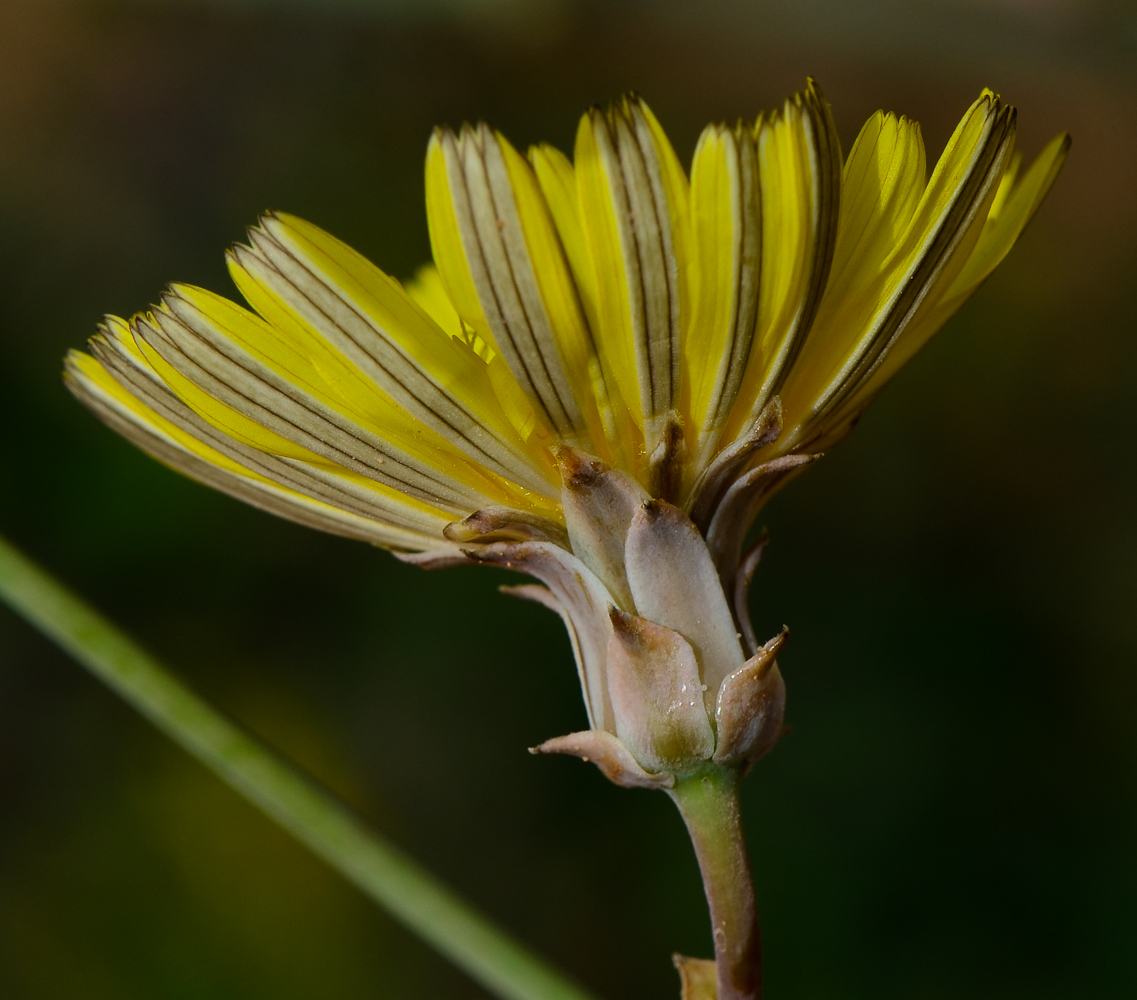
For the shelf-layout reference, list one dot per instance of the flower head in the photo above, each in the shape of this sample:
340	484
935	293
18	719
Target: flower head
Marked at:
609	367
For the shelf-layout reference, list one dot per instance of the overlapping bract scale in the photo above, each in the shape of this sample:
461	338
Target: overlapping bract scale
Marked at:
686	330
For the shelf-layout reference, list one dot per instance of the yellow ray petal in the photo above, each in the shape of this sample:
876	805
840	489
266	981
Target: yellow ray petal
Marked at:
633	205
247	424
512	260
883	182
1010	215
726	221
238	426
799	160
370	318
446	239
845	348
1016	202
167	439
557	178
427	290
558	291
299	349
345	418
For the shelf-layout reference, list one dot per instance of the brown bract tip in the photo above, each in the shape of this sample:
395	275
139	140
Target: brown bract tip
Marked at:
601	748
578	470
628	627
774	646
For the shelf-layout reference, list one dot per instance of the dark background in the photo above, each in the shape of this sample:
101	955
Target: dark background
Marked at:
955	812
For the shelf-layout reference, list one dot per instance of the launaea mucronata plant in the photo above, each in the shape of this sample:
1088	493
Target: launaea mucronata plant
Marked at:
611	364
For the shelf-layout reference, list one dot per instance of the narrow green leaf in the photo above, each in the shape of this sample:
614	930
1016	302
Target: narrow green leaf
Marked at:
398	884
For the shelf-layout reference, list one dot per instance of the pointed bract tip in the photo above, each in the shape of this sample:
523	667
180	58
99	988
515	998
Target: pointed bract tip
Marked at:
599	747
774	646
656	511
652	509
577	468
623	623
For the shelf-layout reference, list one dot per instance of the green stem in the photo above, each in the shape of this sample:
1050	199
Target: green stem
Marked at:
407	891
708	802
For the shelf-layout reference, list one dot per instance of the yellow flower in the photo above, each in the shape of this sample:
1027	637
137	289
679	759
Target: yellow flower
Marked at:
611	304
701	337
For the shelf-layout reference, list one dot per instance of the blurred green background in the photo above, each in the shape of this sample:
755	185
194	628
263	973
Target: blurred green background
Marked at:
955	813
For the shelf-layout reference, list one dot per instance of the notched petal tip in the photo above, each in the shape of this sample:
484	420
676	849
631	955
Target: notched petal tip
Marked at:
610	755
751	707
